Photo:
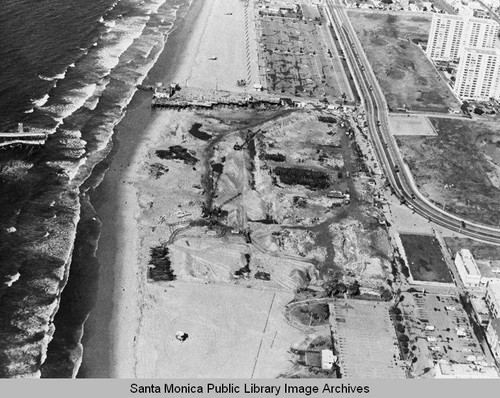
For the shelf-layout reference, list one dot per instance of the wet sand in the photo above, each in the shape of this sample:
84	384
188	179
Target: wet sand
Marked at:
127	327
102	336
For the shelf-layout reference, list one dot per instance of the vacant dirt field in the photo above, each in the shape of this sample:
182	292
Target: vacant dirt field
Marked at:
486	256
406	76
459	168
414	125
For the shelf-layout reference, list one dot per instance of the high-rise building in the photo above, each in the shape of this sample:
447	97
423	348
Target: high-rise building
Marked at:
472	39
478	74
481	33
445	38
451	34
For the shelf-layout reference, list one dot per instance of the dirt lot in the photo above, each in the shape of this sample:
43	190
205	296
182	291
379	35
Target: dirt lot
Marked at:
248	204
459	168
414	125
487	256
406	76
425	259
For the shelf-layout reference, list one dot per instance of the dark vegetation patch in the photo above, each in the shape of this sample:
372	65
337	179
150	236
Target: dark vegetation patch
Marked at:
244	271
312	179
311	314
157	170
327	119
160	267
300	202
425	259
177	152
265	276
196	132
275	157
218	167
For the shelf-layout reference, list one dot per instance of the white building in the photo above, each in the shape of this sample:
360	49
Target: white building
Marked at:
481	33
472	39
445	38
477	75
467	268
327	359
450	35
492	299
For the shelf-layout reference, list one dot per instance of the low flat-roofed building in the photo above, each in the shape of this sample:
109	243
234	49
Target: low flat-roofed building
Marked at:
492	299
327	359
467	268
480	311
464	371
493	337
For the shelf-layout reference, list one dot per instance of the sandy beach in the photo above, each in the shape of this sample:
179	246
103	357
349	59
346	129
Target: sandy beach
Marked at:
131	332
114	204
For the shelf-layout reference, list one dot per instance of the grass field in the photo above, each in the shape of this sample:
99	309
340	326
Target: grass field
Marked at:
459	168
406	76
425	259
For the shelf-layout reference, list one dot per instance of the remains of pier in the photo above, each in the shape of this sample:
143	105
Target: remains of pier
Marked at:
205	99
22	137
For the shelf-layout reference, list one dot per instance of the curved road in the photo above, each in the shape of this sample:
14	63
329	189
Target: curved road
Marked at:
388	155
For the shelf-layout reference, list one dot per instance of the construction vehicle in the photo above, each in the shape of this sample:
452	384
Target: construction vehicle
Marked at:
217	210
250	136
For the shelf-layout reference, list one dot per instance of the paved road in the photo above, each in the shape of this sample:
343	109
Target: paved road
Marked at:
387	152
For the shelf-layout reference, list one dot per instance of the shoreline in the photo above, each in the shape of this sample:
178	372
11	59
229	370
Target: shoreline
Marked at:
113	201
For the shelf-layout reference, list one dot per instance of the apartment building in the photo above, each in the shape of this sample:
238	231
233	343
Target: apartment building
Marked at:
478	74
445	38
471	38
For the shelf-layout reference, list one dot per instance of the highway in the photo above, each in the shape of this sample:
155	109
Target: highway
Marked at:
388	155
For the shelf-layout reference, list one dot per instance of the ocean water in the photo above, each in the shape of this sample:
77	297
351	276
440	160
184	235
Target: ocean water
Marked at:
70	67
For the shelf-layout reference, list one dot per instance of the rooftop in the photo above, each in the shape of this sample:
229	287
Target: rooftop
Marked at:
465	371
468	262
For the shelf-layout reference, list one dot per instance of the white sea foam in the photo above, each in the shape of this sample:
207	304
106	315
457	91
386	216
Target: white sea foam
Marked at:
74	100
40	101
116	42
110	24
93	100
59	76
29	110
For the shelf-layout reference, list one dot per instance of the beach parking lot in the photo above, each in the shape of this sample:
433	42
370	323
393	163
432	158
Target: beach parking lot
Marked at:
297	56
365	352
